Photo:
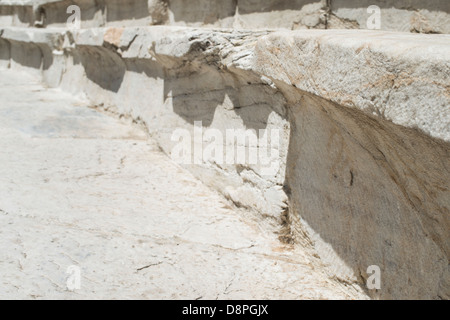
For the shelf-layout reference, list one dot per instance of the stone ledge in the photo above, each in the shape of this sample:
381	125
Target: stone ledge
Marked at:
50	38
397	15
399	77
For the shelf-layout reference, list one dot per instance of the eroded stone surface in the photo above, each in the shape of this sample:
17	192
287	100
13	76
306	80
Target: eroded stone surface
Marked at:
80	188
399	77
405	15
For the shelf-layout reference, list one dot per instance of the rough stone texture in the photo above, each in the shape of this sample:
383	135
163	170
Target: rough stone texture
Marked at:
21	16
365	197
138	226
403	78
356	109
187	64
398	15
405	15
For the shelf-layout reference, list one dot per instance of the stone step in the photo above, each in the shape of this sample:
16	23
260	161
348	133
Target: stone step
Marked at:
404	15
363	117
398	77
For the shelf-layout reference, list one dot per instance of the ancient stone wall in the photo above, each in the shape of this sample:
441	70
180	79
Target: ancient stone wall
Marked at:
363	116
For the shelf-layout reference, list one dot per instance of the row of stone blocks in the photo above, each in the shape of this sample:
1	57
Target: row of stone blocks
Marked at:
364	117
399	15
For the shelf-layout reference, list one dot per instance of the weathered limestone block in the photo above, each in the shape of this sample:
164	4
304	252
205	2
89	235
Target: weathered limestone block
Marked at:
99	13
5	53
36	51
367	192
194	77
202	12
397	15
15	13
277	14
362	189
399	77
168	78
